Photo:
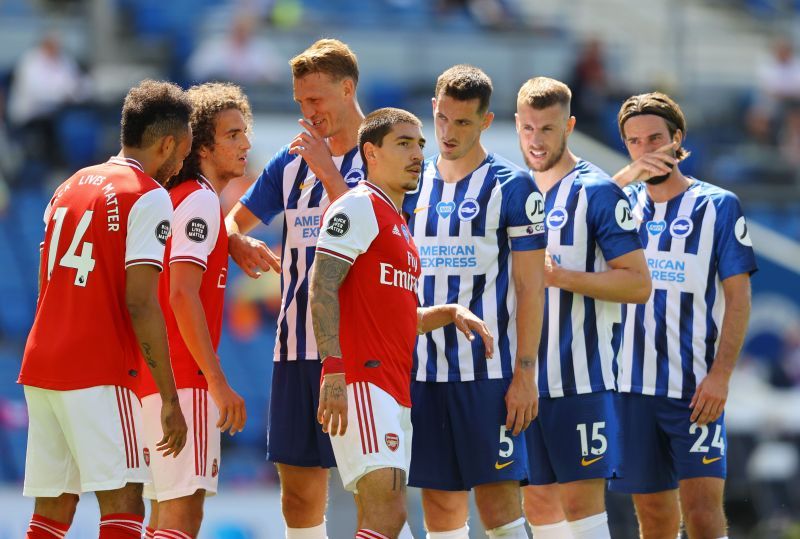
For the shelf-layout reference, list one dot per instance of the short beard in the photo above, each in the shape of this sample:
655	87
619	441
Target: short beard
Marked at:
552	161
165	171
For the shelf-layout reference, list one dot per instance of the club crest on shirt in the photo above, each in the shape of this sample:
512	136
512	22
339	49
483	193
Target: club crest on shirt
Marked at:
392	441
468	209
406	233
197	230
622	213
146	454
445	209
214	468
338	225
656	227
353	176
681	227
162	232
557	218
742	233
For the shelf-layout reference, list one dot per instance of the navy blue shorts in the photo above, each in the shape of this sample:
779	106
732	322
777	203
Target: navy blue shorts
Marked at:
661	446
294	436
460	439
574	438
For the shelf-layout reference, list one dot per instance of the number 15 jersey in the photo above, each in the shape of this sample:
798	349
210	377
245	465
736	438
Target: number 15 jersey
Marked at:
101	221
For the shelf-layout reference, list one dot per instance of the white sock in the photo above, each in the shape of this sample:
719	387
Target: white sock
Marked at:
405	533
559	530
512	530
461	533
316	532
593	527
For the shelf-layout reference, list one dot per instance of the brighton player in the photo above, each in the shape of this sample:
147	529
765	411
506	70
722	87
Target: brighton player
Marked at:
478	222
366	275
97	315
192	292
595	261
679	350
317	166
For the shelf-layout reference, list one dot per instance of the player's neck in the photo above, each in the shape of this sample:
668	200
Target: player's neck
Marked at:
546	179
396	196
454	170
214	179
347	137
676	184
143	157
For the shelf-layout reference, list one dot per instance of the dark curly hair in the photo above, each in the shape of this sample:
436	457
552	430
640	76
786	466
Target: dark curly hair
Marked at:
152	110
208	100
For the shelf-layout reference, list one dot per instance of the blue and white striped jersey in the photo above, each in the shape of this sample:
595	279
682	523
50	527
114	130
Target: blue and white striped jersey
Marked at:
692	243
465	232
588	222
287	185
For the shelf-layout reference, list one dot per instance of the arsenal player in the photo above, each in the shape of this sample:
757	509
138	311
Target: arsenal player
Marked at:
97	318
365	277
192	292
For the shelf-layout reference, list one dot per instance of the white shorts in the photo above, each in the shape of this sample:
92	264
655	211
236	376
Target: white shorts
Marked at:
197	465
82	440
378	434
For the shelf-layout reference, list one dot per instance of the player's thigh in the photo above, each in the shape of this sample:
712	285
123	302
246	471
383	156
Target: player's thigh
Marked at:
198	465
703	494
658	513
184	513
647	462
581	433
583	498
379	435
50	469
434	464
487	452
542	503
382	496
294	435
698	450
498	503
445	510
103	427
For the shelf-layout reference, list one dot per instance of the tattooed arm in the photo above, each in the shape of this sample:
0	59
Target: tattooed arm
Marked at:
326	279
141	297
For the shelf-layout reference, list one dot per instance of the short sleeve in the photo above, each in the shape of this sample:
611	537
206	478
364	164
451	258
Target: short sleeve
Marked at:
609	216
348	227
522	213
195	227
265	197
734	248
148	229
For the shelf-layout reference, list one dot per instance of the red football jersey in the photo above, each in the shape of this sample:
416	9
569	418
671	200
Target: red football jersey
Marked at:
378	298
198	236
102	220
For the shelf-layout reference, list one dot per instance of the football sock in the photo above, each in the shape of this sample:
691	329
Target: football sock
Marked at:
593	527
461	533
319	531
512	530
46	528
121	526
171	534
149	532
405	533
559	530
364	533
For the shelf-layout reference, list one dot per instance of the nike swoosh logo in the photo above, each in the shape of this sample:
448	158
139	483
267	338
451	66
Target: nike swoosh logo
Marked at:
707	460
498	466
422	208
589	462
308	184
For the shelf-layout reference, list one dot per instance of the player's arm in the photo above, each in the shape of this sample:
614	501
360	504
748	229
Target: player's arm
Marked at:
327	277
184	298
627	280
250	254
141	298
709	399
431	318
311	146
522	397
650	164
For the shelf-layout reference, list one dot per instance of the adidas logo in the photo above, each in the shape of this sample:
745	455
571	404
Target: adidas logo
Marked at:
396	231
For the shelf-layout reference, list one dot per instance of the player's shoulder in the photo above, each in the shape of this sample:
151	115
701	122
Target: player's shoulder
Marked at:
360	196
280	160
195	192
504	169
596	182
712	192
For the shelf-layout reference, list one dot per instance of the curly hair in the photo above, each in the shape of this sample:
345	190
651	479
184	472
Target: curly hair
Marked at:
464	83
657	104
208	100
152	110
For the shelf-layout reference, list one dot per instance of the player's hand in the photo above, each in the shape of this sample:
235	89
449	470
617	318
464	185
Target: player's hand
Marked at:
551	271
467	323
232	411
252	255
311	146
709	398
174	427
656	163
332	411
522	400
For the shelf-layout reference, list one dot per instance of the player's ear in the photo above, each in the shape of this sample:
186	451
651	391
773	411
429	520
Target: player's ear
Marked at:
433	105
349	87
570	125
677	136
487	120
167	145
369	152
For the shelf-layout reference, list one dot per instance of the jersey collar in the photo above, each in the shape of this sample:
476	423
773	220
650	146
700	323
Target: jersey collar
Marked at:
133	163
378	191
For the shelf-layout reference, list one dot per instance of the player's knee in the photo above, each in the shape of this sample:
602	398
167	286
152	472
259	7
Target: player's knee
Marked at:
704	520
60	509
301	502
580	507
542	504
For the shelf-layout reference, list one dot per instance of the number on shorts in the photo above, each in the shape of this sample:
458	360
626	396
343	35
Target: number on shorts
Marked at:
717	441
83	263
507	441
597	436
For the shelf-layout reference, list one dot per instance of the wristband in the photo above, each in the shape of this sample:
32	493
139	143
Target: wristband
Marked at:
332	365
